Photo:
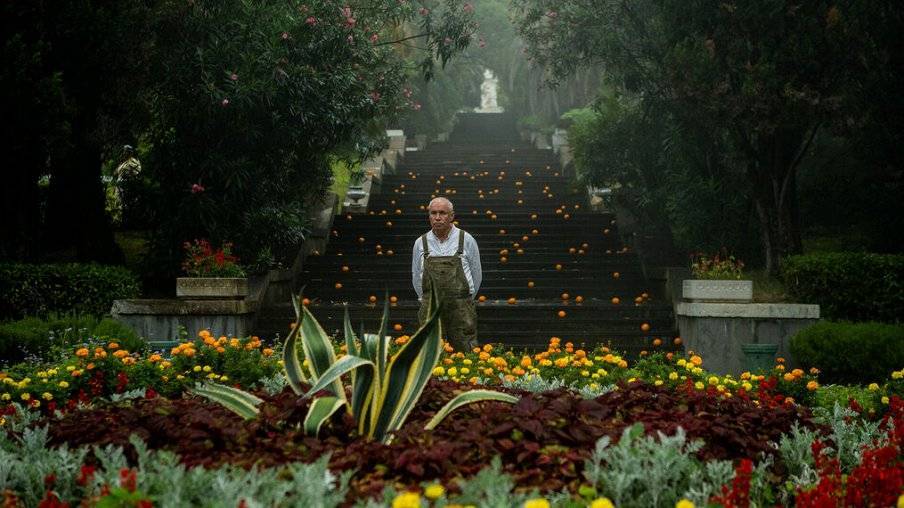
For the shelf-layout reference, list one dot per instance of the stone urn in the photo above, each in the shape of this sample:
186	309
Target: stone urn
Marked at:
212	288
728	291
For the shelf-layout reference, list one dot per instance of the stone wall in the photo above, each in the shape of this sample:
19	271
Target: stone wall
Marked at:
716	331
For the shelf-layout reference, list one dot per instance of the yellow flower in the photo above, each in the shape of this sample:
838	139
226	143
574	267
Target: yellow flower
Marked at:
746	386
562	362
658	382
467	361
673	376
885	400
536	503
602	502
898	374
5	396
698	385
873	387
207	368
434	491
682	362
25	396
407	500
901	501
789	377
488	371
465	370
47	396
713	380
64	384
224	377
684	503
812	385
196	368
452	371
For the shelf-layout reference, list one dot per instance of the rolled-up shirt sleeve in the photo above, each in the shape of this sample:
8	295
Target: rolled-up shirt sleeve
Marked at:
417	267
472	252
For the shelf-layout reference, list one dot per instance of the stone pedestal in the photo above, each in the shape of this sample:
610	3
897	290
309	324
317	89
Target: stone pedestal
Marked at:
212	288
716	331
699	290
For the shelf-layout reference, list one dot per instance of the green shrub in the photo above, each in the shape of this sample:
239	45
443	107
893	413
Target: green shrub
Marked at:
36	290
849	286
850	353
40	339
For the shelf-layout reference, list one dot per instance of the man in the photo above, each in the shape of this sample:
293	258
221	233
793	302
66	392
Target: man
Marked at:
448	259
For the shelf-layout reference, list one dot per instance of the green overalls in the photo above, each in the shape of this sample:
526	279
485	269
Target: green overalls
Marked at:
459	312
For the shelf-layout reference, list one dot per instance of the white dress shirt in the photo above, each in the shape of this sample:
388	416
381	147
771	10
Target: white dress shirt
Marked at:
470	259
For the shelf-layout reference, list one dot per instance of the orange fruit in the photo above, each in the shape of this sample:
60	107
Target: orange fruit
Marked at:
533	216
503	252
393	299
645	327
645	295
584	246
566	216
344	268
657	342
511	301
306	302
677	341
616	300
372	299
558	266
520	251
565	296
389	224
638	300
530	283
579	299
390	252
501	231
503	259
360	239
615	275
606	231
572	250
397	327
534	232
338	285
561	313
524	238
482	298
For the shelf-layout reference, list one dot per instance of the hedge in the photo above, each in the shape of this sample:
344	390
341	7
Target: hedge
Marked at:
40	339
37	290
850	353
849	286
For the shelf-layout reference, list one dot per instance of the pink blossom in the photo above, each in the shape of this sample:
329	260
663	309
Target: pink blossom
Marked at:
311	20
225	103
447	41
423	11
375	96
406	92
285	36
551	14
417	106
374	38
234	76
346	12
197	188
482	43
468	8
350	22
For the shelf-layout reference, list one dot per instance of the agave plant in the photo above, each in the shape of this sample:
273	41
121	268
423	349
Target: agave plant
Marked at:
384	389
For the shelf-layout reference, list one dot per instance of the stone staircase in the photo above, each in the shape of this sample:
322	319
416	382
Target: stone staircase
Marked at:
544	253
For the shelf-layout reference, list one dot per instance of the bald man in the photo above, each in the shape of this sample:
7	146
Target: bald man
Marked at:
448	259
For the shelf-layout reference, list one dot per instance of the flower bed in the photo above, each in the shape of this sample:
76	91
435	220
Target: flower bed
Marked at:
757	437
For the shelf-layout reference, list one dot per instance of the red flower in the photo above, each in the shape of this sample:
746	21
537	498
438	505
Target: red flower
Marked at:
150	393
128	479
85	476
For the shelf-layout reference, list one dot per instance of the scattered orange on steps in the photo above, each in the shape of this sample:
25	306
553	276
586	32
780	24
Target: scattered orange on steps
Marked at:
306	302
372	299
530	283
558	266
565	296
616	300
579	299
657	342
615	275
393	299
512	300
397	327
561	313
677	341
338	285
482	298
345	268
645	327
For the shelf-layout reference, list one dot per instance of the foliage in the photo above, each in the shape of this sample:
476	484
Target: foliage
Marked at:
202	260
725	82
36	290
849	286
41	340
719	266
384	390
853	353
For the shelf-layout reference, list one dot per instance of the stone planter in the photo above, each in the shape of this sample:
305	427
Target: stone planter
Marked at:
212	288
717	290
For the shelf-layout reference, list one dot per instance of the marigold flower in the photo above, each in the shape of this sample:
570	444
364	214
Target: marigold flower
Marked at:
439	371
100	354
696	360
536	503
5	396
407	500
267	351
872	387
121	353
25	396
886	401
113	345
434	491
684	503
82	352
812	385
47	396
789	377
698	385
452	371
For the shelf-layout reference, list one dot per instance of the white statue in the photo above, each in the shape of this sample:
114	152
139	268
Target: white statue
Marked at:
488	102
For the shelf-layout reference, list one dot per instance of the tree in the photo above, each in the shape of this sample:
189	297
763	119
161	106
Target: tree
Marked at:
765	76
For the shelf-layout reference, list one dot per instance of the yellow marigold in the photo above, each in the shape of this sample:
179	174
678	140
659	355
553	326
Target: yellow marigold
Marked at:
196	368
789	377
872	387
885	400
407	500
658	382
812	385
488	371
47	396
545	362
467	361
797	372
561	362
82	352
234	343
602	502
602	372
682	362
128	360
789	400
434	491
465	370
25	396
488	348
698	385
745	375
452	371
780	368
901	501
713	380
898	374
673	376
5	396
746	386
536	503
684	503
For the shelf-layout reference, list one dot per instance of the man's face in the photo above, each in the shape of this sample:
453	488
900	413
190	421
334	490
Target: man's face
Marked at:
441	217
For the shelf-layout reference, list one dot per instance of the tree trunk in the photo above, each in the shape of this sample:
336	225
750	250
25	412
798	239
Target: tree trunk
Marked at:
775	199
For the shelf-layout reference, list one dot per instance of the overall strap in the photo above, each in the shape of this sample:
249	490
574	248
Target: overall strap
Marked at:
461	242
424	243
